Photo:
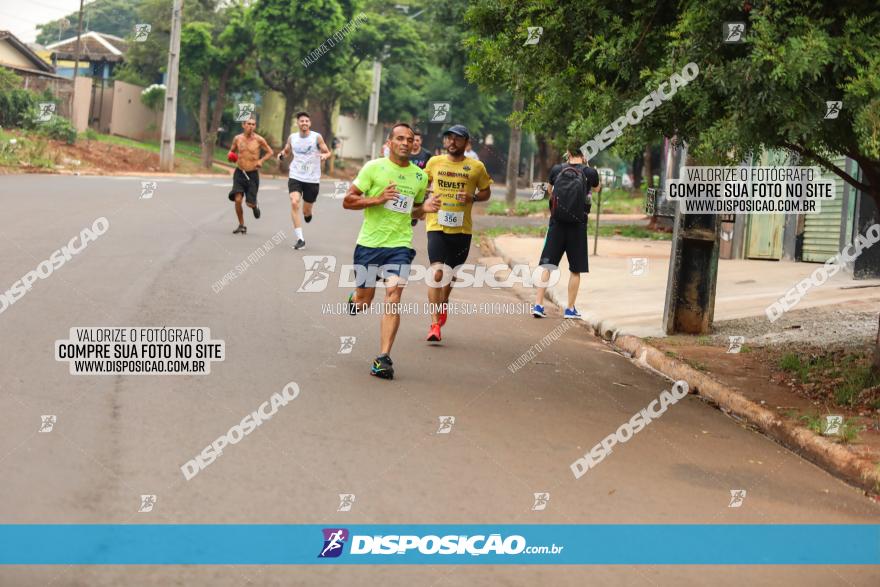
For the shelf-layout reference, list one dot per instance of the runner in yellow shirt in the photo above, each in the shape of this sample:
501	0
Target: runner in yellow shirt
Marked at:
458	182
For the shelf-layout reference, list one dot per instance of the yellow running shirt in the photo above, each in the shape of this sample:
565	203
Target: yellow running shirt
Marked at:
447	178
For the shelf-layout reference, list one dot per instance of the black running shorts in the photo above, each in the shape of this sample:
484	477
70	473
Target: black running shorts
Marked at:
568	238
449	249
247	184
309	191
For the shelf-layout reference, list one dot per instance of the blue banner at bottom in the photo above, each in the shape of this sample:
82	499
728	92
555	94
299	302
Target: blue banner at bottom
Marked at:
293	544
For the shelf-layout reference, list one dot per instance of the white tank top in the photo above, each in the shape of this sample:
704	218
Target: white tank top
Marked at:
306	163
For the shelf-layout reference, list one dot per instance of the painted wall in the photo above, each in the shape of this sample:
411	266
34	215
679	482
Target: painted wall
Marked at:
12	56
130	117
352	132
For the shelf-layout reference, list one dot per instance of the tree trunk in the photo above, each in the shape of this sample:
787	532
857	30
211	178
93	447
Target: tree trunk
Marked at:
875	364
638	165
204	134
327	113
216	115
289	107
547	155
648	171
513	156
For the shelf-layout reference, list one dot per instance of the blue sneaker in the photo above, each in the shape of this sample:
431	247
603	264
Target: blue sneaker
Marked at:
572	313
538	311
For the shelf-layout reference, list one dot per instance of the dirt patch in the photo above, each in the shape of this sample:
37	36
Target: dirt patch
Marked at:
41	155
101	157
802	383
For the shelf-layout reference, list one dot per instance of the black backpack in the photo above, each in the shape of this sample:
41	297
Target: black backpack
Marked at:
570	200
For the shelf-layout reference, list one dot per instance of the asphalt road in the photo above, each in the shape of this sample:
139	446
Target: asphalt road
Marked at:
515	434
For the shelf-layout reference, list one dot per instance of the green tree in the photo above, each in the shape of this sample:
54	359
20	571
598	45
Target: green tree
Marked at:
420	66
115	17
766	93
146	61
769	92
214	68
285	33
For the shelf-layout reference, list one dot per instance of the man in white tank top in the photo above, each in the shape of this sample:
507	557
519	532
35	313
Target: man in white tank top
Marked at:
309	151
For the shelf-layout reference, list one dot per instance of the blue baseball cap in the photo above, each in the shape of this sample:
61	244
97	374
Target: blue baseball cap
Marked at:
459	130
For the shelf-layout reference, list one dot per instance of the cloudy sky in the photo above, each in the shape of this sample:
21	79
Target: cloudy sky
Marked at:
21	17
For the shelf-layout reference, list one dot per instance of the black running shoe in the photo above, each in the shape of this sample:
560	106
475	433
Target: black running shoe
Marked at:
382	367
307	218
242	229
299	244
256	212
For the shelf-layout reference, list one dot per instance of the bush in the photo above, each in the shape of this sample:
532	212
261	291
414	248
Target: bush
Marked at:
17	108
25	152
153	97
9	80
58	128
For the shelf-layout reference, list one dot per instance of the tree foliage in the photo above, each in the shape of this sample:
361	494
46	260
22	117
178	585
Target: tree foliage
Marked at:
768	92
115	17
285	33
146	61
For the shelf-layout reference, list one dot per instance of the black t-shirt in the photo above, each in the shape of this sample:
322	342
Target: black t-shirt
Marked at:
420	159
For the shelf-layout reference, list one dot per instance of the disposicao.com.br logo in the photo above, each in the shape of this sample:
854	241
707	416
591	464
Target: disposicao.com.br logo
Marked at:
320	268
335	539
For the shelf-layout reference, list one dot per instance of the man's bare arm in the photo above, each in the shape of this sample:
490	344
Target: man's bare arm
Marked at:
325	152
285	151
265	146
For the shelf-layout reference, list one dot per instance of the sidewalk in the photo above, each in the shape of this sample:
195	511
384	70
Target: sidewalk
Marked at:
611	295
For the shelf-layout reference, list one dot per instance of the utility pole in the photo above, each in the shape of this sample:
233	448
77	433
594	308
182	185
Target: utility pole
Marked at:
169	116
76	59
373	112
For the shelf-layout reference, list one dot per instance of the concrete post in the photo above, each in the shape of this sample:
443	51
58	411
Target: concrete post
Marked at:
693	266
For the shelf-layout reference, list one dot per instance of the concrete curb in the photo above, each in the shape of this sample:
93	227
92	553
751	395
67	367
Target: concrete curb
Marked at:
834	458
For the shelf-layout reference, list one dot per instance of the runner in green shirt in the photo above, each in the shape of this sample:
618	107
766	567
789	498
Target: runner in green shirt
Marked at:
391	192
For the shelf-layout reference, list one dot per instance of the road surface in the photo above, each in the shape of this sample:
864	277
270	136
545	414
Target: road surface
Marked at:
116	438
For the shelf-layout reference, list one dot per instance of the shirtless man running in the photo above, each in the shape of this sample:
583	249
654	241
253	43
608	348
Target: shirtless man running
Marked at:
245	152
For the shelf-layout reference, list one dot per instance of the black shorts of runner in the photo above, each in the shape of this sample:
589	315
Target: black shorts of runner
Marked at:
568	238
247	184
309	191
449	249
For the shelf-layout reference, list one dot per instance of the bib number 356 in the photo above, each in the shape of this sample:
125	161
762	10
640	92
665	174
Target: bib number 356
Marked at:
447	218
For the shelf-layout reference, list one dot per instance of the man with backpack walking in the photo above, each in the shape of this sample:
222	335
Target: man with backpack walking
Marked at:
570	186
